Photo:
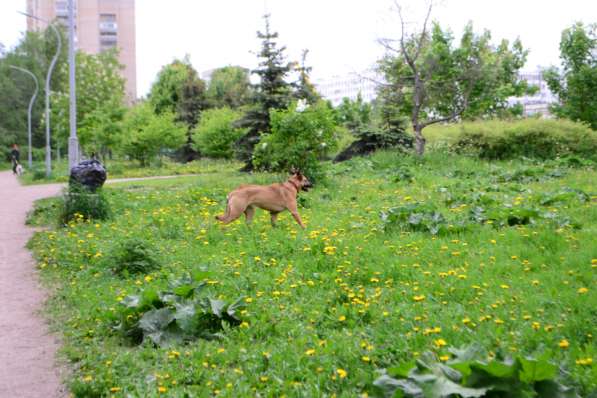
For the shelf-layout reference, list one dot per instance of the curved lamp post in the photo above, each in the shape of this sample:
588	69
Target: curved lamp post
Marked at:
29	157
48	77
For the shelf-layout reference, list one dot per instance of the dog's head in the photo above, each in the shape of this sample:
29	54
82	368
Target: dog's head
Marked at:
300	180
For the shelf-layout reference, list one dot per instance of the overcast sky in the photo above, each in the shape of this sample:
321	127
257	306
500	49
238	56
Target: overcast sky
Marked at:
340	34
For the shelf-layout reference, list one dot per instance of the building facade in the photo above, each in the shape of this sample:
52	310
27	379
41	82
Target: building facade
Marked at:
538	103
99	25
349	86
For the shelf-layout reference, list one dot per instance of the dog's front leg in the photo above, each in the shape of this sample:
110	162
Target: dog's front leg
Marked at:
292	209
274	217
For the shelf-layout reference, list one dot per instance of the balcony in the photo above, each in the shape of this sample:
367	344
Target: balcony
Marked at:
108	27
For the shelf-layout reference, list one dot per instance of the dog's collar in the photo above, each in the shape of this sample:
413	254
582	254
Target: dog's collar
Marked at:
295	186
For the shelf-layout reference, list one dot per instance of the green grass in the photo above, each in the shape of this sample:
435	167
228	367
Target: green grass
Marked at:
345	297
129	169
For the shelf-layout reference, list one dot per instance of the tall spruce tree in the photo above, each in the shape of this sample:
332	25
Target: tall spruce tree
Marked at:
304	88
272	92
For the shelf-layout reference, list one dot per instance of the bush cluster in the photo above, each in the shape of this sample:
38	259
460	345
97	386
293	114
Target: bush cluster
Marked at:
533	138
300	138
80	203
134	256
215	134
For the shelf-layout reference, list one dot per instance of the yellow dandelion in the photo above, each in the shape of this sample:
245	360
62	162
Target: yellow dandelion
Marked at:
342	373
584	361
440	343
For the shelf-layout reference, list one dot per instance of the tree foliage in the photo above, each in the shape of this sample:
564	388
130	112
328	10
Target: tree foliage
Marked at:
300	137
354	115
272	92
179	90
576	84
34	52
229	86
100	102
215	134
304	88
147	133
436	80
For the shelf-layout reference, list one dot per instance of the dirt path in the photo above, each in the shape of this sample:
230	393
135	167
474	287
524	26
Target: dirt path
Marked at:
27	350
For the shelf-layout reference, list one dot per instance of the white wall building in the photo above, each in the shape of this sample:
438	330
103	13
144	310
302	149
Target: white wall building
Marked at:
338	87
538	103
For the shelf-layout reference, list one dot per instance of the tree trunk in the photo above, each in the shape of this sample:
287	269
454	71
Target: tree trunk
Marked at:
419	140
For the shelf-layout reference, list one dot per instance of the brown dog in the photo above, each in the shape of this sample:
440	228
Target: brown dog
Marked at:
274	198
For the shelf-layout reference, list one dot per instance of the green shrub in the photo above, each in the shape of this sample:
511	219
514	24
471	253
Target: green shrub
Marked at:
534	138
147	134
79	203
181	313
134	256
300	138
215	134
470	374
38	173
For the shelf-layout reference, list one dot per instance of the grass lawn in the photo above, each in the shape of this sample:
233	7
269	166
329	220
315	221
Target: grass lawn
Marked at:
328	306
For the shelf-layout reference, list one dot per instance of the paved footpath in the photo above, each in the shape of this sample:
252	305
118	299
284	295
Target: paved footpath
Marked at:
27	350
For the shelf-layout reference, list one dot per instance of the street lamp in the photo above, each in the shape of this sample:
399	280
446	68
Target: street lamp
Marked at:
48	77
29	157
73	142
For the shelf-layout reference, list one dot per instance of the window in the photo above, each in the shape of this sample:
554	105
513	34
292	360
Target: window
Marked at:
108	30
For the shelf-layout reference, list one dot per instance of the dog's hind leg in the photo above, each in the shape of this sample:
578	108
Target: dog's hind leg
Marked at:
224	216
249	213
233	211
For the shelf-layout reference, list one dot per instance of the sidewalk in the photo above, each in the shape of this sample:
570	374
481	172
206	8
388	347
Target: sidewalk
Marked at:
27	350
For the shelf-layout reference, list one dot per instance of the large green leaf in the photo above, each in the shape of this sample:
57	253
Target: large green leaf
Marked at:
536	370
444	388
388	387
217	306
155	322
131	301
551	389
232	309
185	317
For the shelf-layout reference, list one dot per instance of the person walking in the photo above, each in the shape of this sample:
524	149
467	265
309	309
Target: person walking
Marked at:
15	157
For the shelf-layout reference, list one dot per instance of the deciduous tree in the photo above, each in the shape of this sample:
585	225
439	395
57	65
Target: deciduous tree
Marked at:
576	83
436	81
229	86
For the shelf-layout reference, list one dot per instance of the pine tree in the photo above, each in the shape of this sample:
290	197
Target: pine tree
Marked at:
272	92
305	89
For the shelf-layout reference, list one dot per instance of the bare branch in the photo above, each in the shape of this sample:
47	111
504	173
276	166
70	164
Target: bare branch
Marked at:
424	32
385	43
405	53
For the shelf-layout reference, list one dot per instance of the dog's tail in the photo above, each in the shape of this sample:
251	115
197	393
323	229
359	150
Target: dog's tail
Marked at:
224	216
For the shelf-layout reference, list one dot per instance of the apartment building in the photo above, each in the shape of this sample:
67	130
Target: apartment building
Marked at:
349	86
99	25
